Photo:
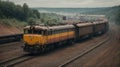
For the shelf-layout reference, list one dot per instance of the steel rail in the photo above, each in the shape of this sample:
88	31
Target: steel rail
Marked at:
85	52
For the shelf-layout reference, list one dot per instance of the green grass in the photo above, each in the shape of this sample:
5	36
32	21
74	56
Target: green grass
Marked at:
13	23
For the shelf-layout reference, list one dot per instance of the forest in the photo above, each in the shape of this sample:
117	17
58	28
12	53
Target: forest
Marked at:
10	10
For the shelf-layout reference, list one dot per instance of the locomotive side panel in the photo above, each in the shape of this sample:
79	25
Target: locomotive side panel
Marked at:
33	39
71	34
59	37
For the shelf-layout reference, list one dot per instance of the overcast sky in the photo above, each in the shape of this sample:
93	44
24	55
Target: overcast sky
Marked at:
68	3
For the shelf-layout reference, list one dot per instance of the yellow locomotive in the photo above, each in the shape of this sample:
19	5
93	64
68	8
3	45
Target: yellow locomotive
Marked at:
40	38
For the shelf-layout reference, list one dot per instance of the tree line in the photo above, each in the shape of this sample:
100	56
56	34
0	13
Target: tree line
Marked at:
22	13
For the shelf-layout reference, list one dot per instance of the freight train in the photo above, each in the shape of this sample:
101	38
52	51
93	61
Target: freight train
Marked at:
41	38
10	38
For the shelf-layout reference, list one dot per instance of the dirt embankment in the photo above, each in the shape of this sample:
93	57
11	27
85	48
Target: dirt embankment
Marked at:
8	30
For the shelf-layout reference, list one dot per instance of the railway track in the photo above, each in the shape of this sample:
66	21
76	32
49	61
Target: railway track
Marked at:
85	52
14	61
17	60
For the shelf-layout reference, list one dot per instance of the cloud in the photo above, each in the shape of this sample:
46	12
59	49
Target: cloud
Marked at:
68	3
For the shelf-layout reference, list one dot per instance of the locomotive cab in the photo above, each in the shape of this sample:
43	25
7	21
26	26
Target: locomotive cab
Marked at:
33	37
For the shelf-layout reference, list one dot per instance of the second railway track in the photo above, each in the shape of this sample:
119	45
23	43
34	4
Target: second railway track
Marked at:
16	60
85	52
10	38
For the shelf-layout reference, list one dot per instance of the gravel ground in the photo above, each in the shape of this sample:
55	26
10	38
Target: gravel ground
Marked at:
10	46
10	50
107	55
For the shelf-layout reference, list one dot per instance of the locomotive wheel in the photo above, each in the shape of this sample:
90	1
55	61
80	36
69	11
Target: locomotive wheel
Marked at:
47	48
72	41
43	49
51	47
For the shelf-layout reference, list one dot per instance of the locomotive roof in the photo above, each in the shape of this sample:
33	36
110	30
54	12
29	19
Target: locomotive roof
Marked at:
84	24
50	27
100	22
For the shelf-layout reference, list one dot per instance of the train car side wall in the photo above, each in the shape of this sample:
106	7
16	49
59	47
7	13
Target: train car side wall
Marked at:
99	28
86	30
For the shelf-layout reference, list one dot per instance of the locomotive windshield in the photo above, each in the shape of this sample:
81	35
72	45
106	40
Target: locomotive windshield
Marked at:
32	31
